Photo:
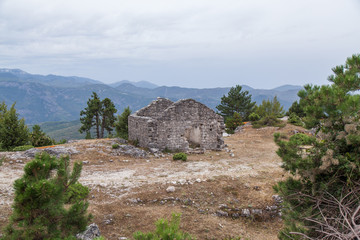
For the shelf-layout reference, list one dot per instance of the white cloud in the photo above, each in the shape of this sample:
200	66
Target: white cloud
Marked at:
172	30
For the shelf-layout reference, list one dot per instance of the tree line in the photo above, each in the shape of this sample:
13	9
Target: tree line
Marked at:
15	135
98	116
237	107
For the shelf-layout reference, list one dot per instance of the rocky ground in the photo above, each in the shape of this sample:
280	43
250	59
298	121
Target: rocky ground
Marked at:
219	194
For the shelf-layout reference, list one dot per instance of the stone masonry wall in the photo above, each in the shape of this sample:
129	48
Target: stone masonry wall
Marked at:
182	125
155	109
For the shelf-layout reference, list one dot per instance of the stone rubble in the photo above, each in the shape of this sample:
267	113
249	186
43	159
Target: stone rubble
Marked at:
90	233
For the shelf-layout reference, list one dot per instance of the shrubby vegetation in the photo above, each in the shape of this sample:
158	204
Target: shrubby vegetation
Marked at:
115	146
180	156
321	197
38	138
39	210
233	122
15	135
121	124
13	131
268	112
295	120
22	148
165	231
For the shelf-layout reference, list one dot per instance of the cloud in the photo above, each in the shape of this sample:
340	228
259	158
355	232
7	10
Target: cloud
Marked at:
141	31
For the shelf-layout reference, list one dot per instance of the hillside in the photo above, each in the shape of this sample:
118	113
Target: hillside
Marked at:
214	191
55	98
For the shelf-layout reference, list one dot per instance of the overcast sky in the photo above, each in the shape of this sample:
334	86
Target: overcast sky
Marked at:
189	43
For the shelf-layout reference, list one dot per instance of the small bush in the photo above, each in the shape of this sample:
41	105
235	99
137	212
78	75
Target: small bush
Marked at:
233	122
22	148
115	146
39	208
254	117
165	231
62	141
302	139
295	120
180	156
268	121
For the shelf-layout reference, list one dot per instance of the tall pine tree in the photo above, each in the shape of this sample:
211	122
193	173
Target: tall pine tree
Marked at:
236	101
98	114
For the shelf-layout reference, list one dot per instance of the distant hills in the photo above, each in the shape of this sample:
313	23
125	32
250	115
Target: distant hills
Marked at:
141	84
53	98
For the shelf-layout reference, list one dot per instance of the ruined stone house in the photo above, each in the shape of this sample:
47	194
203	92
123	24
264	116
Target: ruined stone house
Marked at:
180	125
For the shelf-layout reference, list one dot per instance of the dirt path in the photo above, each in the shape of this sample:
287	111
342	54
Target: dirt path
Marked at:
129	194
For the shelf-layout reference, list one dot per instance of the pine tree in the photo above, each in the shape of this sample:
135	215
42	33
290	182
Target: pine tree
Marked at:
236	101
269	111
107	112
13	131
90	116
121	125
40	197
321	197
38	138
98	114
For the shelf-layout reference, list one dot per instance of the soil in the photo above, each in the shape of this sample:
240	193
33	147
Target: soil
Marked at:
129	194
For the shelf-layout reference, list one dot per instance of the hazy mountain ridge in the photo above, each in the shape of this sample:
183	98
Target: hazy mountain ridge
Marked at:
55	98
49	80
141	84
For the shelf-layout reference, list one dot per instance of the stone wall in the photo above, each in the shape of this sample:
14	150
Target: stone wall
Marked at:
155	108
180	126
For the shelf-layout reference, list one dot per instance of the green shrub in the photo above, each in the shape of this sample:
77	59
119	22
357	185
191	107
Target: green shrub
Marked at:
76	192
268	121
62	141
254	117
22	148
302	139
269	111
38	138
121	124
115	146
233	122
180	156
295	120
13	131
165	231
39	210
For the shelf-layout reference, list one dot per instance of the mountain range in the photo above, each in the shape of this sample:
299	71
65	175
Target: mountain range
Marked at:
53	98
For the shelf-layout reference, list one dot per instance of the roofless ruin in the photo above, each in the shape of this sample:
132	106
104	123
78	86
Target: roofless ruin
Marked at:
177	126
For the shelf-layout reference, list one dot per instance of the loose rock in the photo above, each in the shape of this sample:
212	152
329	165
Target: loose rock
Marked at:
90	233
220	213
170	189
